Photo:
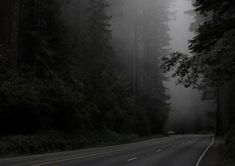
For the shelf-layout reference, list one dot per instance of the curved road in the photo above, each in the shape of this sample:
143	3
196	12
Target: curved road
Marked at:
181	150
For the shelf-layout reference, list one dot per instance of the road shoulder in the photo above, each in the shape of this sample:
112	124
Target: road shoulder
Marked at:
213	156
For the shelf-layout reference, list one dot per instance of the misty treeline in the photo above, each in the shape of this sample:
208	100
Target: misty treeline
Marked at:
211	65
82	66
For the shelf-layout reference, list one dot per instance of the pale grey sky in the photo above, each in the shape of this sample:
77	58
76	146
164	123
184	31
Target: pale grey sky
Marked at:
183	100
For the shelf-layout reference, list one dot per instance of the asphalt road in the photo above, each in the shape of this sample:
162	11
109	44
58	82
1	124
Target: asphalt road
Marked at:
181	150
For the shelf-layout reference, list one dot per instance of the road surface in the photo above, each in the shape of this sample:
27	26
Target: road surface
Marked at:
181	150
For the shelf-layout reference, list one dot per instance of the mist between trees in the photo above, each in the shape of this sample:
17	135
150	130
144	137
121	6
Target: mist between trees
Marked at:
92	69
82	66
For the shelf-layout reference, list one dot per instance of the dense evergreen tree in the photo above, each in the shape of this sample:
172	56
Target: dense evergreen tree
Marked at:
30	91
67	75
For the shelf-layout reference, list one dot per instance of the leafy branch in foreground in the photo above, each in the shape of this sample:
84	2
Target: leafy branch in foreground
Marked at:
212	68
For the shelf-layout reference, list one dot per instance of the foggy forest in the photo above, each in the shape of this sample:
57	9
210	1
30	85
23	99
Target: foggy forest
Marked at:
117	82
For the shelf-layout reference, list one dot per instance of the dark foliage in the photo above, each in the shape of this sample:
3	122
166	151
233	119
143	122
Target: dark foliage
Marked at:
57	78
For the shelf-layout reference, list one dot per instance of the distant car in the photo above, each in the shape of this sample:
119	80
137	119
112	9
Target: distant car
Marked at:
171	133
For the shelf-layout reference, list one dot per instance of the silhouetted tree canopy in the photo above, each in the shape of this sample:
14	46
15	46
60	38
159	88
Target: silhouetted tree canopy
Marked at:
212	60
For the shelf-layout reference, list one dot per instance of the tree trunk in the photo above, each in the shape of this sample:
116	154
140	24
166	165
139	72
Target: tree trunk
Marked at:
15	33
9	30
218	115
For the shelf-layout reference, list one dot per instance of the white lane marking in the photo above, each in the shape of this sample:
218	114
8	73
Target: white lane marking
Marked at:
203	154
134	158
159	150
73	158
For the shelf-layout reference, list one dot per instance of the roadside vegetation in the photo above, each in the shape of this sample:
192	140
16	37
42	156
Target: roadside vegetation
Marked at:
57	141
228	151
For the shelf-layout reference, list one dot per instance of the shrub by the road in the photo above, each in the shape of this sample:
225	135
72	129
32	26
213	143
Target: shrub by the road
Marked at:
55	142
229	149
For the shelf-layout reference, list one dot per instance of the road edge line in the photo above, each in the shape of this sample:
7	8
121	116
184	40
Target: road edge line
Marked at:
203	154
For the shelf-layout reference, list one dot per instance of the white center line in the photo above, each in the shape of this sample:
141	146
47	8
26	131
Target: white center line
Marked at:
203	154
134	158
159	150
